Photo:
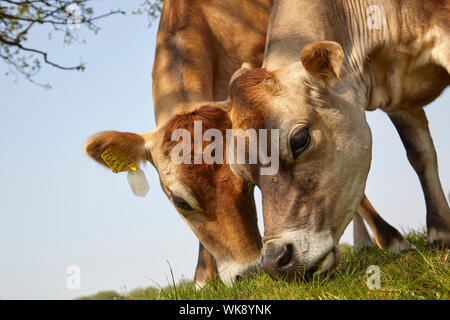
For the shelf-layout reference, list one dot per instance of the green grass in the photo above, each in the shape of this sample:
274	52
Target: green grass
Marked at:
421	273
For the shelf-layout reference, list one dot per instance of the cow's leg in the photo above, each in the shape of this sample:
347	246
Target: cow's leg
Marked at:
206	267
415	134
386	236
361	237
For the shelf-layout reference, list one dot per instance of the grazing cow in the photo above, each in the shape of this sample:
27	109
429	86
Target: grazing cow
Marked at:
195	58
326	63
199	46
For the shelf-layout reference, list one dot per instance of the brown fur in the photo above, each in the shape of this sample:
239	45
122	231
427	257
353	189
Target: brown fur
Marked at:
199	46
397	66
214	184
323	61
248	94
386	236
129	145
247	91
210	116
206	267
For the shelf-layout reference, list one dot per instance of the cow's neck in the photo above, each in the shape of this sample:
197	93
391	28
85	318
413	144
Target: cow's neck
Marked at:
170	100
200	44
183	68
178	86
368	34
295	24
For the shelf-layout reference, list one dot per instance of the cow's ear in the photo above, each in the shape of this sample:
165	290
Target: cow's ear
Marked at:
125	149
323	60
224	105
246	66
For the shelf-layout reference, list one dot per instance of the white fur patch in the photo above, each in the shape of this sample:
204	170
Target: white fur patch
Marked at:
326	263
309	246
400	245
229	272
435	236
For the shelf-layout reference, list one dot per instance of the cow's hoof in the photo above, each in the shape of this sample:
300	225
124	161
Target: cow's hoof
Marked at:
438	239
399	245
438	245
199	285
360	246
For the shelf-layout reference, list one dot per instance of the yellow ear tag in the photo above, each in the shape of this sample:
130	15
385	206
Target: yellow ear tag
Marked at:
132	166
113	159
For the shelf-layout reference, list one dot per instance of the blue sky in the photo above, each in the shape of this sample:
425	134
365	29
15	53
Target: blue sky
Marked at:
59	208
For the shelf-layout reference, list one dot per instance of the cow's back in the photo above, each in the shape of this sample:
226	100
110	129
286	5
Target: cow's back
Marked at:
199	46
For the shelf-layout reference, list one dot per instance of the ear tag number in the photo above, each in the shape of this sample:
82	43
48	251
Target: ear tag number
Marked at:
113	159
138	182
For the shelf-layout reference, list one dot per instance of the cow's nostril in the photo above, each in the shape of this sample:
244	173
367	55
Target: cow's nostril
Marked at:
285	257
238	278
277	260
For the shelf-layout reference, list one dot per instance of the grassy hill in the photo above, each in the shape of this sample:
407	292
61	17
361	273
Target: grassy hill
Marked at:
418	274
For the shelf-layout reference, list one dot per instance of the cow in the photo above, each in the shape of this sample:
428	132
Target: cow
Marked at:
199	46
326	63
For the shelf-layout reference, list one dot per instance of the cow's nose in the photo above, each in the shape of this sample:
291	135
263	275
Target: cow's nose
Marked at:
276	261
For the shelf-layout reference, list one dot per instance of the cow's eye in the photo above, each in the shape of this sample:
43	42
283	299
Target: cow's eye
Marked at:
180	203
300	140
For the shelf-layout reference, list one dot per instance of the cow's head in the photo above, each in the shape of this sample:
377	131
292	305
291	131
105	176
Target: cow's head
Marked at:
324	151
217	206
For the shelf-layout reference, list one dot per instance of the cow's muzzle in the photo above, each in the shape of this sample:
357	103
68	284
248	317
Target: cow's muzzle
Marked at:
285	262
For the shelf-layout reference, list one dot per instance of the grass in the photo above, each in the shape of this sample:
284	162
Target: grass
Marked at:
421	273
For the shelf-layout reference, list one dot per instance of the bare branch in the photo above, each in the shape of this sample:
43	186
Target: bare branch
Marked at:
17	18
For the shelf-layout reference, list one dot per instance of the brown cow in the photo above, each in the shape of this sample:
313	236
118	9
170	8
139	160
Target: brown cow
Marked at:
325	64
199	45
